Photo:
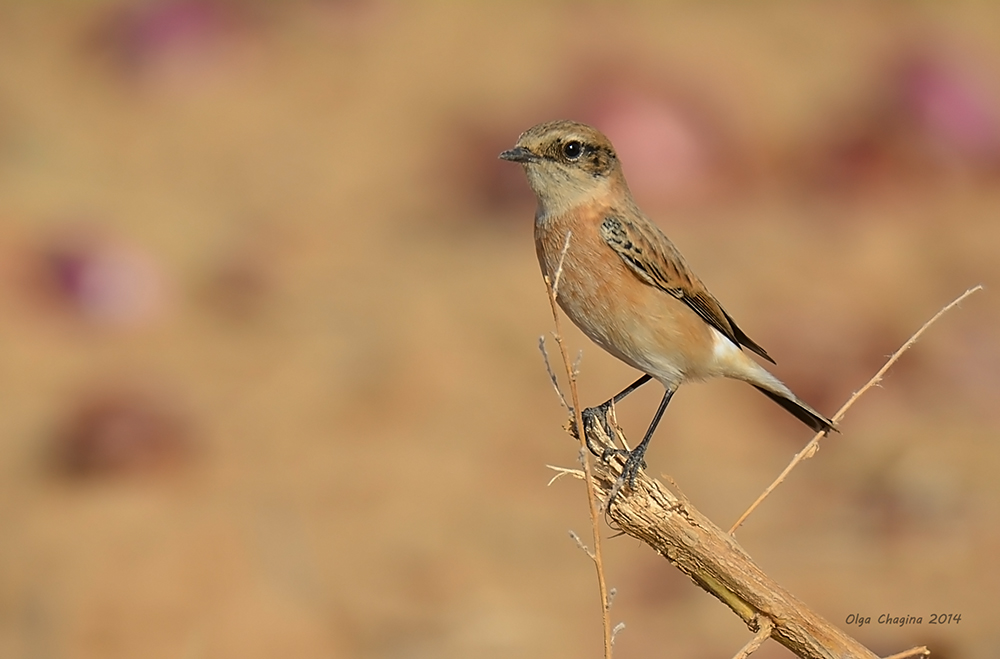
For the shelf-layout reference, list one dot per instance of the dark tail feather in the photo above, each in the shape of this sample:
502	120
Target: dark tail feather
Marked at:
800	411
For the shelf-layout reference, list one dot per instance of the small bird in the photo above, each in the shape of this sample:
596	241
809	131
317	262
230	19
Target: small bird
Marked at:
625	285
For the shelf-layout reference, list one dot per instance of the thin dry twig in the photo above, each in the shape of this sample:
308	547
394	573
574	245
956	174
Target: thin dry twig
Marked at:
810	449
614	632
553	289
563	471
764	633
919	651
552	376
579	544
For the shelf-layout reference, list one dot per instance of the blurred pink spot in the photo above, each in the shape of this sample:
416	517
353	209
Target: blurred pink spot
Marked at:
951	107
150	35
105	281
927	115
666	154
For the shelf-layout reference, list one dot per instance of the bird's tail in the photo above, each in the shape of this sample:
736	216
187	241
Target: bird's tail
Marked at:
774	389
798	409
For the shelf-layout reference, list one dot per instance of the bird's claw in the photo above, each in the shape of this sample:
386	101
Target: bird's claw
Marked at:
633	464
593	415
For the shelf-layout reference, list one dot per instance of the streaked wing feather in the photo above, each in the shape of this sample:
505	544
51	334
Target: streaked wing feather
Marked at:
655	261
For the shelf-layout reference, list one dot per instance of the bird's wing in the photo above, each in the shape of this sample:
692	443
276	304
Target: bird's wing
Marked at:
654	260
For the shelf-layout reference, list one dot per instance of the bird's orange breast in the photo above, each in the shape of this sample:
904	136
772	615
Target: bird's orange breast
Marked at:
643	326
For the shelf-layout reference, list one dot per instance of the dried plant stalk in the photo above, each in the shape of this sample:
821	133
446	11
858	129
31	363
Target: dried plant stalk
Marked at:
713	559
552	286
810	449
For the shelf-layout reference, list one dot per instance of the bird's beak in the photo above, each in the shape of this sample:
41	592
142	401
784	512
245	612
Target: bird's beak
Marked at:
518	154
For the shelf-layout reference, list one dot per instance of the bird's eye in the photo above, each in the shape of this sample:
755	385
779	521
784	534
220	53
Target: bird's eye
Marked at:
572	149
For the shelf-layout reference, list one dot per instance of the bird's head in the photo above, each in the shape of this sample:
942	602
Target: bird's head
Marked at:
567	164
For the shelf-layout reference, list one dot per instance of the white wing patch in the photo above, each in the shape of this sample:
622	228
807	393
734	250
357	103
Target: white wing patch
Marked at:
724	350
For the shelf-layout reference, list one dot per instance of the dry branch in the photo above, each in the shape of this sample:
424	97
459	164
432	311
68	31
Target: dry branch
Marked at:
712	558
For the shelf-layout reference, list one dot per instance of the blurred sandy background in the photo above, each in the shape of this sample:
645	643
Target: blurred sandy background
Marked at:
269	383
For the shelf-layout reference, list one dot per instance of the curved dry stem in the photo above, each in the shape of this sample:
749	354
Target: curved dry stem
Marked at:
764	633
810	449
919	651
552	285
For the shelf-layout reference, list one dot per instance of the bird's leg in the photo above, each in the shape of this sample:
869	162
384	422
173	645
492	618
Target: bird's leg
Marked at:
600	414
634	462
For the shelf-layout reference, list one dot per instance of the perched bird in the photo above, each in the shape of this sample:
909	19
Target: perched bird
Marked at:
625	284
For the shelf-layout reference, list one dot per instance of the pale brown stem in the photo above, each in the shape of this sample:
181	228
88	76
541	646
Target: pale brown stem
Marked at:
810	449
764	633
552	285
920	651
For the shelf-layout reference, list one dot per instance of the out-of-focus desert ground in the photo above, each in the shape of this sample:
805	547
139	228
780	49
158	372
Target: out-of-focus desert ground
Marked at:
269	377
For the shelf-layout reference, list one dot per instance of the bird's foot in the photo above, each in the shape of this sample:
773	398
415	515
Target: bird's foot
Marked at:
634	462
610	452
592	416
